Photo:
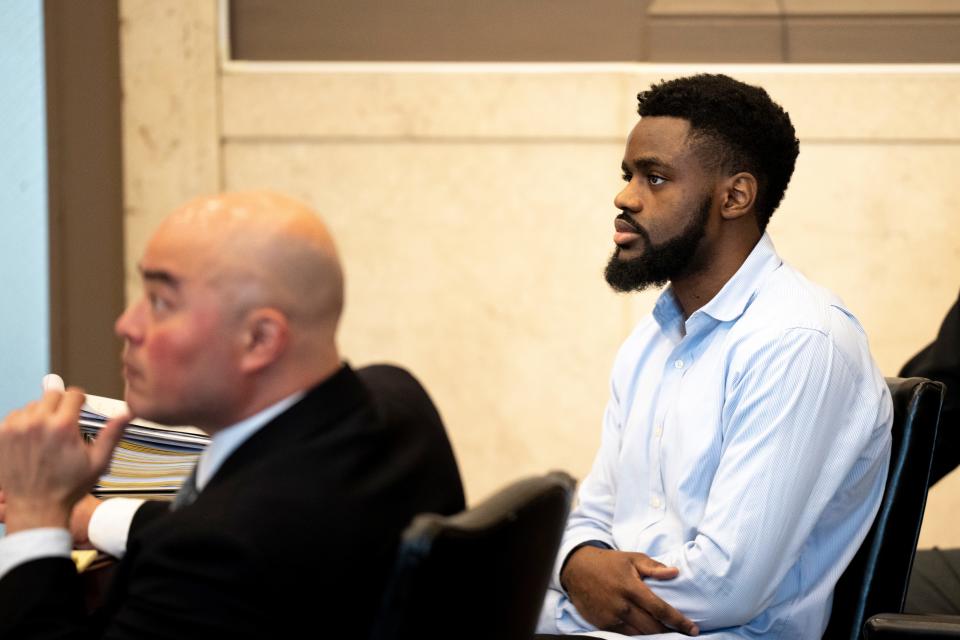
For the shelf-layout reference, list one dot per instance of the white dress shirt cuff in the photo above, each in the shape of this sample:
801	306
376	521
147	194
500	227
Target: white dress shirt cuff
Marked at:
110	525
32	544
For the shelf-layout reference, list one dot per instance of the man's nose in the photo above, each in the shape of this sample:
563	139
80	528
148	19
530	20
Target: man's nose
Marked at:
628	199
128	324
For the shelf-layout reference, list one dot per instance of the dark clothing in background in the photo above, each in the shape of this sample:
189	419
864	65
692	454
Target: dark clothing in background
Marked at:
935	581
940	361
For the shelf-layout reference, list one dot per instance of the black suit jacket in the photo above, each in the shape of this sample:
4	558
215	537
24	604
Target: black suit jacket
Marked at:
297	530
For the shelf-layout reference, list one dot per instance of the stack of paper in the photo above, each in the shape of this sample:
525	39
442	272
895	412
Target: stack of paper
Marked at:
151	460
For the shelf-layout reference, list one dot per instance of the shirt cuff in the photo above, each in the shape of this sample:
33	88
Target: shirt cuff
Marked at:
110	525
31	544
563	561
571	542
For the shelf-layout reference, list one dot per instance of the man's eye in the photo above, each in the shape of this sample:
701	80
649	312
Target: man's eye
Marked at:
626	177
157	303
656	180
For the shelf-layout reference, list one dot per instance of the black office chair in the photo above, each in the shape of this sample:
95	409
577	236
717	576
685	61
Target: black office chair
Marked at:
481	573
877	578
906	626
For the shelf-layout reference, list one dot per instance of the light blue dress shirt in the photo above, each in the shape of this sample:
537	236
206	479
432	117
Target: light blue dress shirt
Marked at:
748	446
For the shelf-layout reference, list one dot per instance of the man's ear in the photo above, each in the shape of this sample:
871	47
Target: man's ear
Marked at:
266	334
739	195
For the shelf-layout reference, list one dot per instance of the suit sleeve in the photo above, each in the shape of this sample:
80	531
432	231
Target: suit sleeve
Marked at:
42	599
940	361
190	585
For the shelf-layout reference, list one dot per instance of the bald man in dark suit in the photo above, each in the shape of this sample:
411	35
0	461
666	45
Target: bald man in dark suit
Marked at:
312	472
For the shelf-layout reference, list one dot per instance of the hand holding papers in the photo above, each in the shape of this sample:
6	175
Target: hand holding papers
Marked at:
151	460
45	466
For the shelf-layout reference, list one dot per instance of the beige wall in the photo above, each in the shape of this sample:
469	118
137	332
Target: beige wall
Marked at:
473	207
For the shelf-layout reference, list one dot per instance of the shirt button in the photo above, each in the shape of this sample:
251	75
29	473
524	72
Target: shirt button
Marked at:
655	503
658	432
678	364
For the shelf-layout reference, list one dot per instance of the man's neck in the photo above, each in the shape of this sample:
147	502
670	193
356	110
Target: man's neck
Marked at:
698	288
265	392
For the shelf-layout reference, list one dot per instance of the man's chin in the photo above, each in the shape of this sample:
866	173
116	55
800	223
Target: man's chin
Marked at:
140	406
135	404
627	274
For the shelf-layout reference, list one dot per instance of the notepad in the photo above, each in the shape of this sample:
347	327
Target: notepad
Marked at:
151	459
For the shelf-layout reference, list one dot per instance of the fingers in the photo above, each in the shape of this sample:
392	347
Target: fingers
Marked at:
639	622
649	602
68	411
48	401
59	410
102	448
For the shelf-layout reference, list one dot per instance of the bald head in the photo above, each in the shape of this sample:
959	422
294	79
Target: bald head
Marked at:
261	248
243	293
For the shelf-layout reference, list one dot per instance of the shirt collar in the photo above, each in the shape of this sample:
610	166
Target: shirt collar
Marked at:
226	441
735	296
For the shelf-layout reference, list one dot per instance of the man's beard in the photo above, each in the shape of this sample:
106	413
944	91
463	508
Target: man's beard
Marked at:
660	263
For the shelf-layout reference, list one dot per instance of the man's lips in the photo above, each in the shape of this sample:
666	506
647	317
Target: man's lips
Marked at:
129	371
625	231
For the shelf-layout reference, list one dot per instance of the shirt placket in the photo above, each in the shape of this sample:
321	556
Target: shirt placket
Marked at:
674	369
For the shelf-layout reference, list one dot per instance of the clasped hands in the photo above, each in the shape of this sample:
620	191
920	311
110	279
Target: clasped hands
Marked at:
46	467
607	587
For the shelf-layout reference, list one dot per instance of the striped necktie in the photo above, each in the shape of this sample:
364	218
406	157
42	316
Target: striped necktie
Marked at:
188	492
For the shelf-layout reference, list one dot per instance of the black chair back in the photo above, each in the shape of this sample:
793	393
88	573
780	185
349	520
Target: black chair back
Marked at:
481	573
876	580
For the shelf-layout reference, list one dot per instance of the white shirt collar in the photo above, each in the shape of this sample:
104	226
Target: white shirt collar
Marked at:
226	441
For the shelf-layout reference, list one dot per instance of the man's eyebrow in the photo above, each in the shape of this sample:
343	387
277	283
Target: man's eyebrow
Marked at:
645	163
160	276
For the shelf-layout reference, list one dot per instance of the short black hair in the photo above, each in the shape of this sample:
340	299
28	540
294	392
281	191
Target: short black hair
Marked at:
737	127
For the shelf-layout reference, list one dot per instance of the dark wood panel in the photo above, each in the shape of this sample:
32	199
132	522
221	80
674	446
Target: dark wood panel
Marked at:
437	30
888	39
823	31
715	39
85	191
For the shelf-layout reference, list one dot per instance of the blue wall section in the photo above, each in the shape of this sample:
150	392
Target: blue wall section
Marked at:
24	270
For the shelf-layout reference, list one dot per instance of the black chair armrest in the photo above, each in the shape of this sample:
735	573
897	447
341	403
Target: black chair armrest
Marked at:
890	626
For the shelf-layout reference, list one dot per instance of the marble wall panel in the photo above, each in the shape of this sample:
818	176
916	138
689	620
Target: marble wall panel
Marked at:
453	271
867	104
171	134
473	210
426	101
940	522
877	224
479	266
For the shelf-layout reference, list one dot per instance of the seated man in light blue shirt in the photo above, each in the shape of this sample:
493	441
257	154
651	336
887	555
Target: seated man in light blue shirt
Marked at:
746	441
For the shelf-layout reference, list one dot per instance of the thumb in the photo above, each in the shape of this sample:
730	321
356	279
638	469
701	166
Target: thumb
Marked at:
649	568
102	448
